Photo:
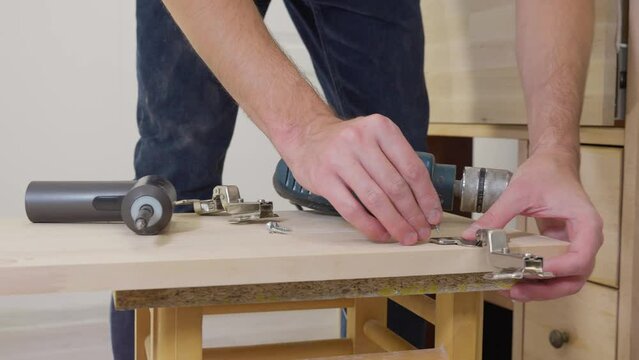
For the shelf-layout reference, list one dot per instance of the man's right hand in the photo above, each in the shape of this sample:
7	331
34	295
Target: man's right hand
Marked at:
368	158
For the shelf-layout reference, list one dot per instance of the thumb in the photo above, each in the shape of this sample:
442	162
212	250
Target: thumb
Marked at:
500	213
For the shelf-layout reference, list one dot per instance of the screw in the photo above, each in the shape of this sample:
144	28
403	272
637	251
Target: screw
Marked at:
274	227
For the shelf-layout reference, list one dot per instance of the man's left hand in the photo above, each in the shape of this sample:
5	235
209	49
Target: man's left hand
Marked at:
547	187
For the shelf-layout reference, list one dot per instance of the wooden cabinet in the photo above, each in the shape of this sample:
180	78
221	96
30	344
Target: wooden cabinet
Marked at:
588	318
471	69
474	91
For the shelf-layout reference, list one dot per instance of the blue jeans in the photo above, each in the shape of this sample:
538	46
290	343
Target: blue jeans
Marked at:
368	56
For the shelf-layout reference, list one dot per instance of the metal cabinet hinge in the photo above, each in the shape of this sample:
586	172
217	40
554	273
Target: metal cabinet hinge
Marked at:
226	200
509	265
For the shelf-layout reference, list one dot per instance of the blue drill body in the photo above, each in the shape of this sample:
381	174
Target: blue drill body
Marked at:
442	176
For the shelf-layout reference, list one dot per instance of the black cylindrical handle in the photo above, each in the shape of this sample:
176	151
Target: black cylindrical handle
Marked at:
75	201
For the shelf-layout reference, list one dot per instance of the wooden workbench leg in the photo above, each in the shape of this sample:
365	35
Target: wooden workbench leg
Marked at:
364	309
176	333
459	324
142	331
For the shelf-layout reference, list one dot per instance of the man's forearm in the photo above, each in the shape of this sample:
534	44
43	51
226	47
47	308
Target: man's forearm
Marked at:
554	39
232	39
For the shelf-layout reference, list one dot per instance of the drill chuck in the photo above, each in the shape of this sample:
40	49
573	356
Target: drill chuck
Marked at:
479	188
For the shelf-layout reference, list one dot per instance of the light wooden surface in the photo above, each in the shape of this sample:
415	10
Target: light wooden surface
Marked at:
595	135
209	251
365	310
142	331
589	317
628	328
285	351
459	325
471	69
176	333
601	175
429	354
280	306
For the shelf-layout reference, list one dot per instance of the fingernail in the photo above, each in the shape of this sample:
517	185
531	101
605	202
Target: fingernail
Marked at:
434	216
424	233
409	239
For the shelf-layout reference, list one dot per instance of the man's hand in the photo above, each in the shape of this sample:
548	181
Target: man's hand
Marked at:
547	187
367	158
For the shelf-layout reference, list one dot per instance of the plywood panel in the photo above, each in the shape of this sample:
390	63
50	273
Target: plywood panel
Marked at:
471	69
209	251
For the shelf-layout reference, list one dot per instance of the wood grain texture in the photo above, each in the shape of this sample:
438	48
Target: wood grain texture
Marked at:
208	251
589	317
471	69
176	333
279	306
428	354
286	351
142	332
628	328
459	324
365	309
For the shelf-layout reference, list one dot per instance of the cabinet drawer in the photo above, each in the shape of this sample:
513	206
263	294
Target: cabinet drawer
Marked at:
471	67
588	317
601	173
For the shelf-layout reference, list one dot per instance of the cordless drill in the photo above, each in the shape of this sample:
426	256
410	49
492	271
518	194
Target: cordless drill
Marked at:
478	188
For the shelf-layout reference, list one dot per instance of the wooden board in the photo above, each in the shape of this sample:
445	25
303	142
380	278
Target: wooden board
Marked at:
471	69
588	317
209	251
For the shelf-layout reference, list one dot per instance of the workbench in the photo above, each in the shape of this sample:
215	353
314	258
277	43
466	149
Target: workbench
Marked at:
205	265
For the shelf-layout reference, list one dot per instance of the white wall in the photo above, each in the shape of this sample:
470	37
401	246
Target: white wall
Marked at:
67	112
68	95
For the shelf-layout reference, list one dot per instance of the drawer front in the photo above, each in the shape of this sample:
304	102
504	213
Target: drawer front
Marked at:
589	318
601	173
471	67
